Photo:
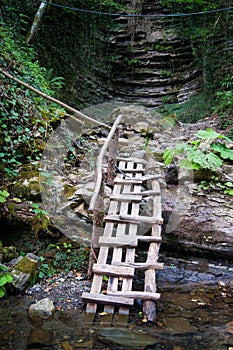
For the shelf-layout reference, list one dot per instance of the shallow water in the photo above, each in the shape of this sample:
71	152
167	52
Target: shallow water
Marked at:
195	312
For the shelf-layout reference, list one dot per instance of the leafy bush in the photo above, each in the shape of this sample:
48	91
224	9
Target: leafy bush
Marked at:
26	119
201	153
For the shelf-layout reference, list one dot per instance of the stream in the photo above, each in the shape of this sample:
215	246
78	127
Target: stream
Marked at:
195	312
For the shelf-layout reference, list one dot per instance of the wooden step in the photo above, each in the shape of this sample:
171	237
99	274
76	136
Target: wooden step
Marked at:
133	219
140	266
149	239
123	241
132	160
144	193
111	270
135	295
126	198
136	171
128	181
126	241
107	299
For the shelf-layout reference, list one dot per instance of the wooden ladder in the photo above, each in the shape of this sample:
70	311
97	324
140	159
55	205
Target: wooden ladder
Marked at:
117	248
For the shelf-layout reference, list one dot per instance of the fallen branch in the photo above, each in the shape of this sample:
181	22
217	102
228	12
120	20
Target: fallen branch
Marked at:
63	105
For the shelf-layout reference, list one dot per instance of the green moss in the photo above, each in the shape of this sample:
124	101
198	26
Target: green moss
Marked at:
68	191
29	266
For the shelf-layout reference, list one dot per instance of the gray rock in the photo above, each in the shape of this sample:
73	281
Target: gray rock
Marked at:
42	310
130	339
20	281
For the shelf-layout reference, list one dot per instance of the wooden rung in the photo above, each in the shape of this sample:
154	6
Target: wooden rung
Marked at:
142	219
131	170
128	219
107	299
110	270
150	177
149	239
130	160
141	266
128	181
122	241
135	295
144	193
126	198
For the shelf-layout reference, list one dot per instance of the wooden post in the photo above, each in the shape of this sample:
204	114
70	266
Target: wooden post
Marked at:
97	201
149	306
112	152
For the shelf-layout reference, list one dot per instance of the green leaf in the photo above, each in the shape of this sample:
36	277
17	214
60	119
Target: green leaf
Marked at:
230	192
209	134
213	161
188	164
168	156
225	153
2	291
228	184
5	279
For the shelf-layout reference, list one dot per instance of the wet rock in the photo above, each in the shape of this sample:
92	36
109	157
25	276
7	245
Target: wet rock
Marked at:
178	325
24	271
20	282
85	345
42	310
29	264
40	337
127	338
67	346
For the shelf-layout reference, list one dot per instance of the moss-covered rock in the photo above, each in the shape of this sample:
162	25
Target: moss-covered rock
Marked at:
29	264
7	253
27	185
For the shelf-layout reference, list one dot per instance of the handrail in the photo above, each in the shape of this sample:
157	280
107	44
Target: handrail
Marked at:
100	159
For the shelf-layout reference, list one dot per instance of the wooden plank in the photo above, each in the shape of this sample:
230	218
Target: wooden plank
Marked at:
128	181
131	171
100	163
141	266
135	295
110	270
117	253
130	252
126	241
126	198
142	219
144	193
149	307
119	241
149	239
133	160
107	299
103	253
133	220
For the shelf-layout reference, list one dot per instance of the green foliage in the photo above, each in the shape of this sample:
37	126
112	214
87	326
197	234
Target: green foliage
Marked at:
196	108
45	270
26	119
200	153
216	185
4	279
3	195
192	5
39	211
